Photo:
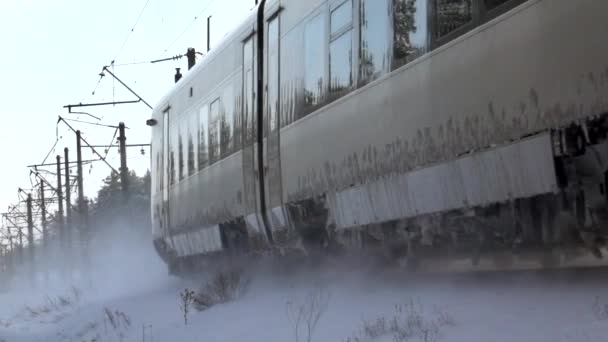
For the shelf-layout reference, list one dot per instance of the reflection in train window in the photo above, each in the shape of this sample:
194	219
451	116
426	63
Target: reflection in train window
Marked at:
181	136
173	144
314	60
341	17
248	92
214	132
374	44
292	74
452	15
227	122
273	74
203	120
192	132
410	30
340	48
164	182
340	52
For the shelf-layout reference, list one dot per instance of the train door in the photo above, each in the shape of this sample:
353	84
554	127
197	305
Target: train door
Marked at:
272	156
249	139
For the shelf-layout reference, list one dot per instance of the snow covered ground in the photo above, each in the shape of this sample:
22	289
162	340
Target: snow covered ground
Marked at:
130	298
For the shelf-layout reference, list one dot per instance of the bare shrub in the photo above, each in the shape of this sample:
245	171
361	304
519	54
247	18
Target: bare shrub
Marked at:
407	322
225	286
305	314
52	305
187	299
117	319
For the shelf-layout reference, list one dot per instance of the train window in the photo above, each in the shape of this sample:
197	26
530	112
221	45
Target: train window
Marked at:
173	145
410	30
214	131
273	74
291	76
374	56
491	4
340	65
340	48
182	156
341	17
227	122
314	61
164	183
192	132
203	120
452	15
248	92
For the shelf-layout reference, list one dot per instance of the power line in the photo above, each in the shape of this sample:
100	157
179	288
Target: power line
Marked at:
131	32
187	28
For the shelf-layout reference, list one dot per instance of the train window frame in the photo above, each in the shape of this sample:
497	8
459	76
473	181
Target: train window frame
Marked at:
166	175
437	41
214	124
203	150
348	28
273	125
489	14
362	78
192	144
319	14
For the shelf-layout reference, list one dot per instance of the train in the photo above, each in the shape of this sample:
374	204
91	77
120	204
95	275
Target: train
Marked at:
416	130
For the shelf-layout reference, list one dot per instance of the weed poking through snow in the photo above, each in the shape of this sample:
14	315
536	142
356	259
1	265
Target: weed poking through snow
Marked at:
408	322
225	286
305	314
187	299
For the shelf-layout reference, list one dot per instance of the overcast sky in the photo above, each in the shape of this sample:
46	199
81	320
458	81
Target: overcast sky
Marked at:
51	54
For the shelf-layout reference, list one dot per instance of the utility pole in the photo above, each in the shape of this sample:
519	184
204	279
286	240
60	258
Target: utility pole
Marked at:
43	218
124	171
81	203
83	211
30	234
68	199
60	201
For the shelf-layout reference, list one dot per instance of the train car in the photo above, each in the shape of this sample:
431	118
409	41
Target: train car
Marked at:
418	129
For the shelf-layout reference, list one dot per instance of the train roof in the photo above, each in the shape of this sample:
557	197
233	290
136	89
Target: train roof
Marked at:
225	42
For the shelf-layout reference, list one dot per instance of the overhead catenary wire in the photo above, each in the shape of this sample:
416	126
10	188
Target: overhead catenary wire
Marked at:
187	27
131	31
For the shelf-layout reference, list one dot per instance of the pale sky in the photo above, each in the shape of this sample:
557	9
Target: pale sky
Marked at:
51	54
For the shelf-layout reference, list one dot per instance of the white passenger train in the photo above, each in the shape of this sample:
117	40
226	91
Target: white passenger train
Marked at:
415	128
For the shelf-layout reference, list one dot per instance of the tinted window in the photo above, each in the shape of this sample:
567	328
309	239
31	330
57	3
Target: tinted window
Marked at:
227	122
340	66
192	133
491	4
410	30
341	17
174	155
248	92
314	60
374	45
340	48
292	76
452	14
203	119
164	183
214	132
182	156
273	74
